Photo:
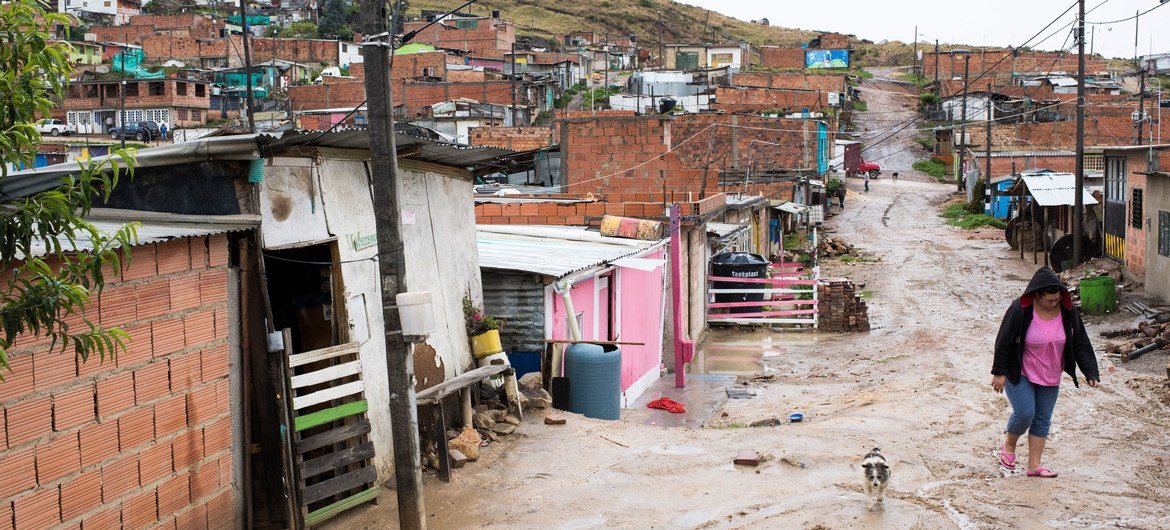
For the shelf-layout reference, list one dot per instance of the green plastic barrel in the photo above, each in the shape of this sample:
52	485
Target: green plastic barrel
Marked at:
1099	295
256	171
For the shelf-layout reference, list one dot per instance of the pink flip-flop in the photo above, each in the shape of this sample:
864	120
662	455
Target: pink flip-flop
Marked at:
1042	472
1007	460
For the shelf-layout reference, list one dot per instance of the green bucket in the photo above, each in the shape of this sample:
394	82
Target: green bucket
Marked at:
1099	295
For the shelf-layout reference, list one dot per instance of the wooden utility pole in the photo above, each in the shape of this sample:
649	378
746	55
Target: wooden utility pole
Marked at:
1078	188
662	43
514	124
961	181
990	189
1141	105
937	88
914	58
376	50
247	67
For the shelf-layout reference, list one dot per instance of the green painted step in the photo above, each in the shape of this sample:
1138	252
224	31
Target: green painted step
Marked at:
322	514
321	417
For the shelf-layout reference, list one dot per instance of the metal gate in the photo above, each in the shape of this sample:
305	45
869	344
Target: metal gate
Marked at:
1115	218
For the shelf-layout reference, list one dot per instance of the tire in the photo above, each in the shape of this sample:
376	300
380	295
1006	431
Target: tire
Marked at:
55	132
140	137
113	135
873	173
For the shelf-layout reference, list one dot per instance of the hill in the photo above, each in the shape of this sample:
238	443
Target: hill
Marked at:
681	22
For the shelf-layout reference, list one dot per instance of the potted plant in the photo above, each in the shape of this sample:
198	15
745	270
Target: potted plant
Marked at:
483	330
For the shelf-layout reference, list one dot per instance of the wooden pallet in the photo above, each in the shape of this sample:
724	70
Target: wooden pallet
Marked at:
332	452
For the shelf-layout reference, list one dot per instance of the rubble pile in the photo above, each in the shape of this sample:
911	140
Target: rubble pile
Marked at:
1148	335
841	308
831	247
1093	268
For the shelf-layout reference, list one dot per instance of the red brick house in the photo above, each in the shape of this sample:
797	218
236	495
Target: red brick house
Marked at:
471	34
179	102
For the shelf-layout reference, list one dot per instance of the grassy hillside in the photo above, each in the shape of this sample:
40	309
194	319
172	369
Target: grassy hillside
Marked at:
682	23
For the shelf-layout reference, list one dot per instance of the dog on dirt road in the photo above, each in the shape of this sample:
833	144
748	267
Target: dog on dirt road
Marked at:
877	476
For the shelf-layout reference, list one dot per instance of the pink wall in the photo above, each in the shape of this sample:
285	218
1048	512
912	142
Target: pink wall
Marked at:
640	296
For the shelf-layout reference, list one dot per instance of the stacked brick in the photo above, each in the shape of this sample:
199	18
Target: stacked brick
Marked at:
514	138
841	308
142	440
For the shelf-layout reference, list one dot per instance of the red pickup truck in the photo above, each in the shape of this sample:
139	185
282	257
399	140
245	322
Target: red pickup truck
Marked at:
869	167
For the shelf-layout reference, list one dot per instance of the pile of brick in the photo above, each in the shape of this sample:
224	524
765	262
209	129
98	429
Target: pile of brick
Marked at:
841	307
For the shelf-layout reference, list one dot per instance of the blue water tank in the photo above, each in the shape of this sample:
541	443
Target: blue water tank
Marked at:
595	380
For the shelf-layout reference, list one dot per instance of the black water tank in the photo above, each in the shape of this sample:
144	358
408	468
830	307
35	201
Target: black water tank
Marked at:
666	105
740	265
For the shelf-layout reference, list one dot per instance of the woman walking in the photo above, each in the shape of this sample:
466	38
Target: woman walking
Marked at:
1040	337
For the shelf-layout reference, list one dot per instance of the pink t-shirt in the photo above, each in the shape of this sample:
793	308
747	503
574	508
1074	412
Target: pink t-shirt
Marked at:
1044	351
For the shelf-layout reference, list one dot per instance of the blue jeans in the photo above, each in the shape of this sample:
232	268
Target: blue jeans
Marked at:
1031	407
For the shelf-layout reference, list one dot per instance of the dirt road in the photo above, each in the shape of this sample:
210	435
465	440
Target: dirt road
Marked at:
918	386
888	128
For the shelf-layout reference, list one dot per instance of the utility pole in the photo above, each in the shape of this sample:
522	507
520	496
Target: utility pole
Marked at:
937	88
376	50
606	46
247	68
914	58
1078	187
514	84
961	181
122	92
1142	105
662	43
990	189
1136	20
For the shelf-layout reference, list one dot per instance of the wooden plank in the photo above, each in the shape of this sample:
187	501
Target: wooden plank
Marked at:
764	291
328	394
445	388
339	484
327	374
339	434
329	462
322	417
721	305
301	359
321	515
763	314
764	321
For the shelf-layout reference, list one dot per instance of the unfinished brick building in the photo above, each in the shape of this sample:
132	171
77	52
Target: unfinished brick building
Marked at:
782	57
179	102
480	36
1000	63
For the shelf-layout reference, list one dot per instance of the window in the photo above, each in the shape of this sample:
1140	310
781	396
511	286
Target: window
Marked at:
182	114
1164	233
1135	211
721	59
156	88
200	91
197	115
1094	162
131	90
428	71
181	89
1115	179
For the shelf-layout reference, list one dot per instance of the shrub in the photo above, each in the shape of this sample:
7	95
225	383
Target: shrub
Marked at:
860	105
933	167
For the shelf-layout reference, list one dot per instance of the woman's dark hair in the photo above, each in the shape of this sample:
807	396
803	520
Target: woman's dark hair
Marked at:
1051	289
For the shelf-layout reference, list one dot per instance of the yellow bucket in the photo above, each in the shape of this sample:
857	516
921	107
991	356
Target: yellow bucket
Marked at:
486	344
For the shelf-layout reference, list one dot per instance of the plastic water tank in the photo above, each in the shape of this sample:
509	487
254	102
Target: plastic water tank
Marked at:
595	376
740	265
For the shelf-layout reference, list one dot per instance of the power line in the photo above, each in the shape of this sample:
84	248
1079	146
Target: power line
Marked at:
1127	18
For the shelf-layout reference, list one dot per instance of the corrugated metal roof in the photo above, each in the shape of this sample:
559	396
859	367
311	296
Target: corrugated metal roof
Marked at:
551	250
1055	189
724	229
158	227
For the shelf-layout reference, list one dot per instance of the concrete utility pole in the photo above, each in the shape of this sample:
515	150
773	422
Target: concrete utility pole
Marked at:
122	92
662	43
937	88
914	58
961	181
1079	194
376	50
1136	20
990	189
514	85
247	68
1141	105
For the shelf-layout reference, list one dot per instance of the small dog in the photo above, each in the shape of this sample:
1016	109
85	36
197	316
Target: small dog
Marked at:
877	476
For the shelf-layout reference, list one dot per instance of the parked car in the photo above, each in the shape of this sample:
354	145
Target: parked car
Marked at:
55	127
869	167
141	131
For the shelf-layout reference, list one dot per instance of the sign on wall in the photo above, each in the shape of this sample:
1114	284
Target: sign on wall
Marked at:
826	59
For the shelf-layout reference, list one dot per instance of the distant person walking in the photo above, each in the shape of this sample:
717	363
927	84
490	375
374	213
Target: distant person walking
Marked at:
866	177
1040	337
162	129
841	195
109	124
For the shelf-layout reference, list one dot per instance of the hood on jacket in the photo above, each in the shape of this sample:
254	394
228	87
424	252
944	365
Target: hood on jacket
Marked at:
1045	278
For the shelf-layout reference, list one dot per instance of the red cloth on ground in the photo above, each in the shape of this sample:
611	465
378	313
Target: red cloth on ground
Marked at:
667	404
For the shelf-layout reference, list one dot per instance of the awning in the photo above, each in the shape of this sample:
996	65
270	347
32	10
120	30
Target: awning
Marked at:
1055	189
792	207
556	251
724	229
156	227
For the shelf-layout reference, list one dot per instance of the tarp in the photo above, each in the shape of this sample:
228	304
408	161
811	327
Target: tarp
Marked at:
130	62
253	20
1056	189
414	47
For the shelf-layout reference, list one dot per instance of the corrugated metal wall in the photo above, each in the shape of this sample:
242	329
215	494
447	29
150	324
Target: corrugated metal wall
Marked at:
519	299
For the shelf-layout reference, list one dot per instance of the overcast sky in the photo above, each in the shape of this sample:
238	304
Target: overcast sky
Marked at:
983	23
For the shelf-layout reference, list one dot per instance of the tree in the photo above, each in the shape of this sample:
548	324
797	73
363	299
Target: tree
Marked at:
52	261
333	23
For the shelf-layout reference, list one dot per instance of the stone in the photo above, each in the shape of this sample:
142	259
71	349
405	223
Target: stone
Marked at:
498	414
458	459
523	399
452	433
504	428
467	443
747	458
554	419
481	408
531	382
540	400
483	420
508	418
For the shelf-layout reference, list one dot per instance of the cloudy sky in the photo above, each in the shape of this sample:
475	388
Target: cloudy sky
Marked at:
988	22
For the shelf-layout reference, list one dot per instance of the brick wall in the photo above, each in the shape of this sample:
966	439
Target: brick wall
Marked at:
169	97
411	65
1002	165
823	83
310	51
466	76
514	138
140	439
733	141
834	41
161	48
489	35
144	26
778	57
1104	125
549	212
1135	237
1027	62
758	99
418	97
342	93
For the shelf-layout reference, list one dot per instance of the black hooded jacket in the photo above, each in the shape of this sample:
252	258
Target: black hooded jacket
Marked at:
1009	344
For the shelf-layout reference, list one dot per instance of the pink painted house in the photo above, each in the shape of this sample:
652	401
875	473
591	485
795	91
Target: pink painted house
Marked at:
617	288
